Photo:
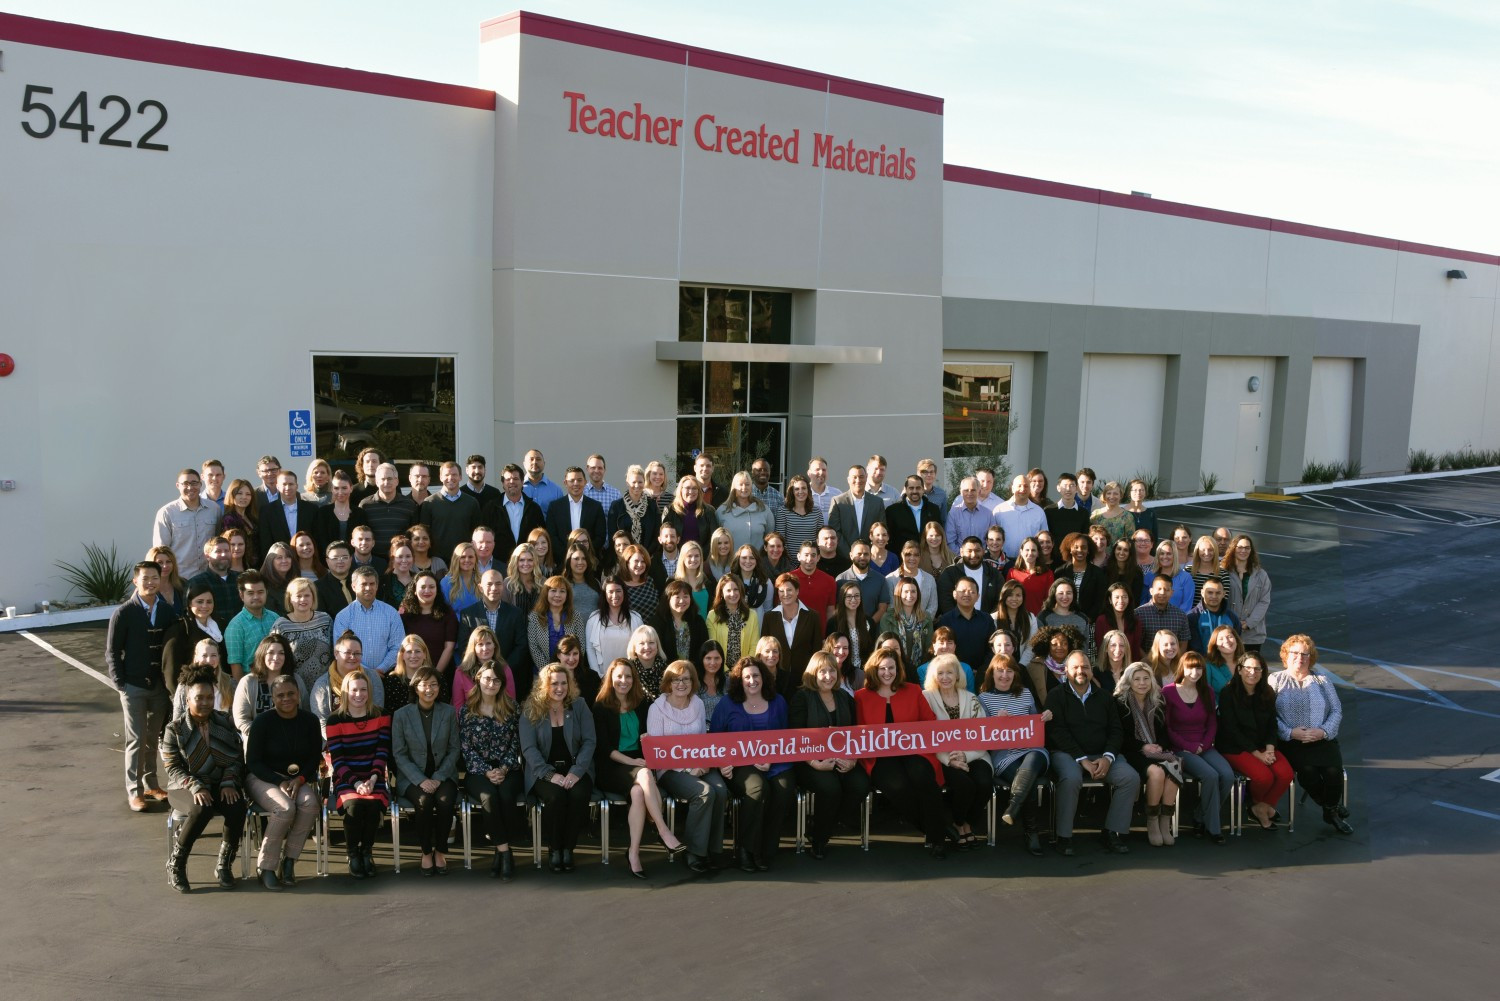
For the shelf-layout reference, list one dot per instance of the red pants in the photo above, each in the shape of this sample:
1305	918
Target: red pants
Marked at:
1268	783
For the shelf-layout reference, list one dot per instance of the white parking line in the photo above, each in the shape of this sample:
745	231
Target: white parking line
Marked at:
1493	776
1269	516
70	661
1465	809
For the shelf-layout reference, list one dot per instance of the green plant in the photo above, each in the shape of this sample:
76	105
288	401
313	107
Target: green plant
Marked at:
1351	470
1421	461
1208	482
1150	479
964	459
102	576
1468	458
1321	472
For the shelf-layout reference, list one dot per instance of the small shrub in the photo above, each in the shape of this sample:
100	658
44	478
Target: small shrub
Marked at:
1351	470
1321	472
102	576
1208	482
1420	460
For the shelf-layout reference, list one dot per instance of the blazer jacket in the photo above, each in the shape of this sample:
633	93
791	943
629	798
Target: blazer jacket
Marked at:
842	519
272	527
536	743
806	709
798	648
492	514
409	747
607	727
560	524
898	522
510	630
989	590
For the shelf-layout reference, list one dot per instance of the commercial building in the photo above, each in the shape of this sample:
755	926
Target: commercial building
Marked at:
641	248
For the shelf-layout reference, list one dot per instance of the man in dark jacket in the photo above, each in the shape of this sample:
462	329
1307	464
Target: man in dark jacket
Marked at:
132	649
1084	738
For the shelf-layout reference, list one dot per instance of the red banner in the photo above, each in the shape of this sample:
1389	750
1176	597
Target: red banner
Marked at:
759	747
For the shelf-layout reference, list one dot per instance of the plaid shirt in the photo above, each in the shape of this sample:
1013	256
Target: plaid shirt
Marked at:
1153	619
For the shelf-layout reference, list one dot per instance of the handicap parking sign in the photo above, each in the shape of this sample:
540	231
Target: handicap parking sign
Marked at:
300	433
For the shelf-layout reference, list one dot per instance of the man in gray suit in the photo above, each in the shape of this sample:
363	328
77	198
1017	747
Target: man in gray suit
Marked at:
853	512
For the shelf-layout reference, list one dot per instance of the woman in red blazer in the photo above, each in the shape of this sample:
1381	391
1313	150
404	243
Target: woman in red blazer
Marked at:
912	782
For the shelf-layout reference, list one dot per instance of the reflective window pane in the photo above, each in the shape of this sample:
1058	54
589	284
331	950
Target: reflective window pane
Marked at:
689	441
770	388
690	387
728	316
771	317
728	387
976	410
690	313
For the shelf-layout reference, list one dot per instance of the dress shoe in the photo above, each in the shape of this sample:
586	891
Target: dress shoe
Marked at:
1115	843
160	795
762	863
1034	844
820	850
1332	818
1065	847
639	873
567	859
672	853
137	804
746	863
1218	839
268	880
554	860
288	872
1341	810
698	864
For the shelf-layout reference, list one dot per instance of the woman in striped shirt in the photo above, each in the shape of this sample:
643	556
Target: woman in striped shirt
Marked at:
359	755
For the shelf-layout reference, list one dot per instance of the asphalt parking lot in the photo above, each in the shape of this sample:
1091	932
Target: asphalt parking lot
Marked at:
1382	576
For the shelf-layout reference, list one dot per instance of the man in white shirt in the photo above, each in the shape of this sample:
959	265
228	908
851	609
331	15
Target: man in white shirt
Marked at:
573	511
823	492
186	523
1019	517
853	512
984	478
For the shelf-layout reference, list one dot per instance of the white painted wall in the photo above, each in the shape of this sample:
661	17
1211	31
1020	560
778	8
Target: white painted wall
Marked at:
163	307
1228	391
1330	410
1120	410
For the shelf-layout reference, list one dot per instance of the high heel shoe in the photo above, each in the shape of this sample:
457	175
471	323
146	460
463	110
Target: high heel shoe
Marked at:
638	873
672	853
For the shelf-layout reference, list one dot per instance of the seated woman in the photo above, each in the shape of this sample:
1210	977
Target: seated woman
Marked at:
912	782
1247	737
1163	656
424	746
620	711
205	654
765	790
309	630
851	678
712	677
1113	658
181	640
967	775
838	785
1223	654
552	618
201	754
731	620
1050	647
1192	724
679	712
1061	609
1308	714
252	696
489	739
646	659
348	652
482	651
557	745
1119	616
282	756
425	613
1143	716
1006	693
908	619
359	759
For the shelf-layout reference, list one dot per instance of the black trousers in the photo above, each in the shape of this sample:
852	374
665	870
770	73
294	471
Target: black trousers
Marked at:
434	815
837	796
195	816
764	801
563	811
503	820
1320	769
969	791
361	822
909	783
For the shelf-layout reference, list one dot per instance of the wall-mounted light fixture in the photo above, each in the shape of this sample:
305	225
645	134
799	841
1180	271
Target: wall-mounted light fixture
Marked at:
1455	273
1254	384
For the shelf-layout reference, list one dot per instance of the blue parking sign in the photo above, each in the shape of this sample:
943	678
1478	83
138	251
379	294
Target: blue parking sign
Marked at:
300	433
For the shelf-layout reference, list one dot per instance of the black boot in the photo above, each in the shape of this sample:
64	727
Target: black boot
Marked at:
368	857
268	879
746	863
288	872
356	862
177	867
507	861
225	869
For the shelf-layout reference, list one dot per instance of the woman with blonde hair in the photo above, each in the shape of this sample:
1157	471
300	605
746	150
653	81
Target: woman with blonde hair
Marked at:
1183	588
936	556
541	548
1110	516
721	549
1166	650
746	517
695	521
460	586
968	775
482	650
489	740
173	589
523	579
317	482
557	746
309	631
1112	659
691	571
837	784
1143	717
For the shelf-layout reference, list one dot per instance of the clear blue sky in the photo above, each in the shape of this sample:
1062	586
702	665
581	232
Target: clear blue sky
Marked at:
1381	116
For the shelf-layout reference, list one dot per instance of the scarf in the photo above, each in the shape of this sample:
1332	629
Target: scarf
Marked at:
635	511
736	624
1145	726
1058	670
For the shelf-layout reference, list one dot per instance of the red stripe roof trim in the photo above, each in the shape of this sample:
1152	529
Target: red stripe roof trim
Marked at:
186	55
1077	193
557	29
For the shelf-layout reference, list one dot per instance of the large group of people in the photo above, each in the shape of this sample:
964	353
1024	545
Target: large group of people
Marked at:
335	636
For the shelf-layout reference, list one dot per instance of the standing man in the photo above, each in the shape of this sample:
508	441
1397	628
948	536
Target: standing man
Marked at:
133	652
186	524
984	477
1159	613
333	588
289	515
419	475
377	624
823	492
815	589
928	470
1067	515
537	486
874	589
971	565
904	519
362	540
387	512
220	580
596	488
452	514
474	470
830	560
1086	480
508	623
266	467
703	471
512	515
1019	517
483	538
760	485
572	511
968	516
875	482
213	482
853	512
251	624
1086	734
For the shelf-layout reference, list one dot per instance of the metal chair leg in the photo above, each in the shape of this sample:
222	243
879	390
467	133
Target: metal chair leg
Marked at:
864	832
